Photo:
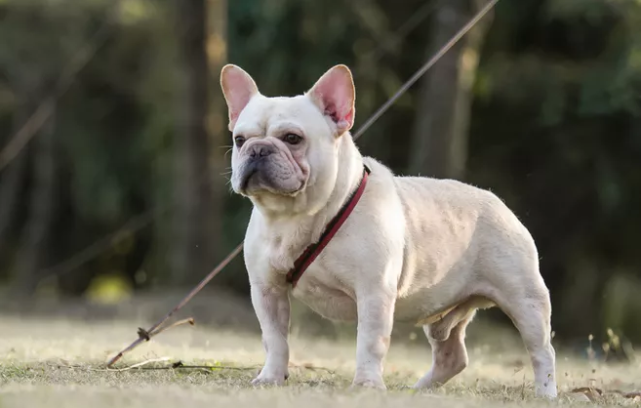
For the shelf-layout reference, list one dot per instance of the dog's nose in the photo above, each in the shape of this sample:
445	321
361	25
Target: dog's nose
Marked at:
260	151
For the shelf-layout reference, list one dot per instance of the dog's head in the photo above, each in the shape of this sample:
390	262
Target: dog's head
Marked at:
286	147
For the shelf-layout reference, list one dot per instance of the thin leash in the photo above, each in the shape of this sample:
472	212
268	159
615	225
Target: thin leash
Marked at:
146	335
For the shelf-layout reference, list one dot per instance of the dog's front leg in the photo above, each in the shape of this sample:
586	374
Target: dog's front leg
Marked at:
375	320
272	308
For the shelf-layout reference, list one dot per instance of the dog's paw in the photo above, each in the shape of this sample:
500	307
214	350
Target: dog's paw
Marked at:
265	378
376	384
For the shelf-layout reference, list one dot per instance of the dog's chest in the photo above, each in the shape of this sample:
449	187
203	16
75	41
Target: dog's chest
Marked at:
320	286
322	291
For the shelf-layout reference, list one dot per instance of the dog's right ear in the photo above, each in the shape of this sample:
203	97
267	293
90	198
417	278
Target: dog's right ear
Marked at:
238	88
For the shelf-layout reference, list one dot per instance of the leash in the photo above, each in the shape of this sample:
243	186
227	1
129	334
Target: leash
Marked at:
146	335
418	74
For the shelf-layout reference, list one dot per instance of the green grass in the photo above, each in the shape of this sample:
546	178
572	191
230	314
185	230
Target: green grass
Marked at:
59	363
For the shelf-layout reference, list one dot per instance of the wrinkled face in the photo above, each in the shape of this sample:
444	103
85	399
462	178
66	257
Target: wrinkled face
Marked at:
276	143
282	146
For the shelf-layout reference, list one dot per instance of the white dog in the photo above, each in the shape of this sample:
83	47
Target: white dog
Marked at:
409	249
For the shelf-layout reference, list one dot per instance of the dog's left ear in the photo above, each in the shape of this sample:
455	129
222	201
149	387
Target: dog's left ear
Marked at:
334	94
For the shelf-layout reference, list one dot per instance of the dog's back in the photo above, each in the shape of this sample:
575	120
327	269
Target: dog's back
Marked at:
455	227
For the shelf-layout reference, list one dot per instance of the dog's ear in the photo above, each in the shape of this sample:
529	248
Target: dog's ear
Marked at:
238	88
334	94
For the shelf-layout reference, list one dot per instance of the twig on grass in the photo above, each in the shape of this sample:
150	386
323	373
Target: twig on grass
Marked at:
179	365
140	365
131	367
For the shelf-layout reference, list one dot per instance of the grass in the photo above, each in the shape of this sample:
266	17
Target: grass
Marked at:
57	363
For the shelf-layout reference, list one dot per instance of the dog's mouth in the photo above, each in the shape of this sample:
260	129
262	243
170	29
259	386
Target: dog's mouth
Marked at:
257	178
246	179
252	184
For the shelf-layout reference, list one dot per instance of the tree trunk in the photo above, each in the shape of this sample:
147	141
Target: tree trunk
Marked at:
11	186
199	202
37	236
217	120
439	145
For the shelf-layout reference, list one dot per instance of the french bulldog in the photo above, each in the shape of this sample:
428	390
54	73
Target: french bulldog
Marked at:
414	249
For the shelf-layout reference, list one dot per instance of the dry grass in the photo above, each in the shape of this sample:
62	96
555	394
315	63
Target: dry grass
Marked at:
36	357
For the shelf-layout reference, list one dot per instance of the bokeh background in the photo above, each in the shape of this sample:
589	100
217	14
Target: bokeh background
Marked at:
114	143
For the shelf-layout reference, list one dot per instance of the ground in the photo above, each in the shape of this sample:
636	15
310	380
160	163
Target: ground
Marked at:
58	361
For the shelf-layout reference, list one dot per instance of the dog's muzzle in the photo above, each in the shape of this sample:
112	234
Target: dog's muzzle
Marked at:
257	156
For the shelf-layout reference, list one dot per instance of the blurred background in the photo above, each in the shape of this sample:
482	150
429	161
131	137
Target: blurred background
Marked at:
114	141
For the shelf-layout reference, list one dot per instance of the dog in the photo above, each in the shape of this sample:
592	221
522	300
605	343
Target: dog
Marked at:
413	249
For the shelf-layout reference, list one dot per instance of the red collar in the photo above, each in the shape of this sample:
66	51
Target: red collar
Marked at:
311	252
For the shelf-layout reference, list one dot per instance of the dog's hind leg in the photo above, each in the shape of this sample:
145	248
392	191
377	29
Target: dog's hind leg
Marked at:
449	355
530	312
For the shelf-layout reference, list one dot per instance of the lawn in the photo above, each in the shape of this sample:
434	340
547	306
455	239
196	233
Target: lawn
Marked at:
57	362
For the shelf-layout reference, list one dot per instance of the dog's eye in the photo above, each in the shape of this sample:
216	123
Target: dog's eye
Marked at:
239	140
292	138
